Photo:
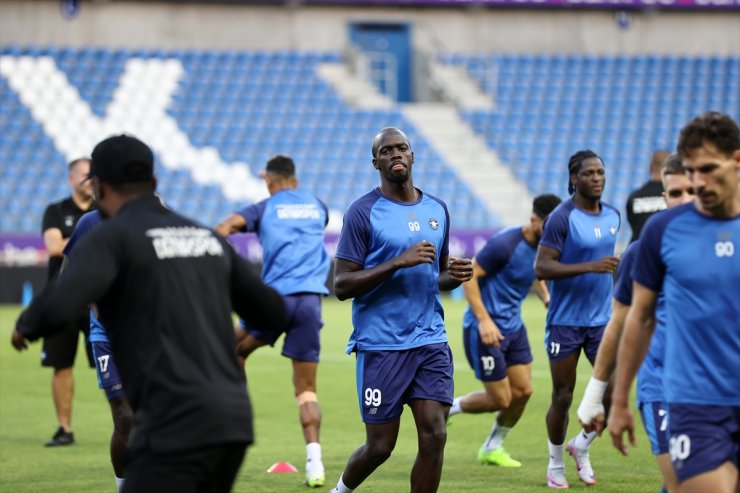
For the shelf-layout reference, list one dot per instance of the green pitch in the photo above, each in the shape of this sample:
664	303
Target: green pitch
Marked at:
27	421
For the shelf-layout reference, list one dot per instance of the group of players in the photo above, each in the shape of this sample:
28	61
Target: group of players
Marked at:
393	260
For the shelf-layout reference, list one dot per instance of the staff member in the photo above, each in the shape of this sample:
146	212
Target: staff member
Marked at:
165	288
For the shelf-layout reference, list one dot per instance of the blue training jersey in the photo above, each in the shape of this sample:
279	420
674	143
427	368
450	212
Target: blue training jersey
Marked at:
583	300
405	310
650	375
85	224
290	225
508	260
694	260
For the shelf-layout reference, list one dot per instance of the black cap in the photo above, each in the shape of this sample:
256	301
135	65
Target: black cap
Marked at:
122	159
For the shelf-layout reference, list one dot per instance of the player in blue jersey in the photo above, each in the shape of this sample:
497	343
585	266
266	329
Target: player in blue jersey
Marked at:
290	225
494	334
393	259
690	253
577	254
108	378
678	190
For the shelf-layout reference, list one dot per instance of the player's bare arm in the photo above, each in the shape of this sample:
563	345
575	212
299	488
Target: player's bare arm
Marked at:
454	271
489	333
540	289
232	224
54	243
547	265
638	331
591	411
351	280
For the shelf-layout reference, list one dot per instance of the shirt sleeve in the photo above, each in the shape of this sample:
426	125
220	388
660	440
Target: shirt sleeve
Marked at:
355	236
51	219
86	278
556	230
252	214
649	268
623	284
495	254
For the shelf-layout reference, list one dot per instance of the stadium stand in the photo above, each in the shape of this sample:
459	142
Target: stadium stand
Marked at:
624	108
236	106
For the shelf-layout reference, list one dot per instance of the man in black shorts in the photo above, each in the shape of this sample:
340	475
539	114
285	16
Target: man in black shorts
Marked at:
59	350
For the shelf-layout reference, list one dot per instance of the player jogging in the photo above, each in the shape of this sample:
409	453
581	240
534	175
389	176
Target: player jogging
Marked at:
577	253
393	259
290	225
690	253
494	334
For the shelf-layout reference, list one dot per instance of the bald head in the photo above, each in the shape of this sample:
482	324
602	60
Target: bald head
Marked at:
383	133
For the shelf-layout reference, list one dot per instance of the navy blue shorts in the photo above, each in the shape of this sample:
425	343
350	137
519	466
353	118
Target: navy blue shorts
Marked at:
386	380
490	363
302	337
702	438
655	418
562	341
108	378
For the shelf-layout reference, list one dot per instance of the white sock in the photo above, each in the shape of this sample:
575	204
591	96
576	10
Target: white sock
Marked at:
496	437
584	440
456	409
342	488
556	455
313	457
119	483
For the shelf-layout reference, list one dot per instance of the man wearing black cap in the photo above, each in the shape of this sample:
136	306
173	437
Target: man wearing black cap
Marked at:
165	288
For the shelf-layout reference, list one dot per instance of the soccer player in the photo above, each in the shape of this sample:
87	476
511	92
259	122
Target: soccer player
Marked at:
59	350
494	334
108	377
165	288
393	259
678	191
577	253
690	253
648	199
290	225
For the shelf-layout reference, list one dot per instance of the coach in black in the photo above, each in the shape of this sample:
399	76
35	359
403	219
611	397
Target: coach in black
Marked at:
165	288
60	349
648	199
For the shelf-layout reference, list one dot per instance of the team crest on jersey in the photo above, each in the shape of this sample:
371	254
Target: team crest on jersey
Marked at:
434	223
613	230
69	221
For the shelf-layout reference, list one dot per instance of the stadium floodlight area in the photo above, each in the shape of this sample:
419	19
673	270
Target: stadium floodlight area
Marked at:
213	119
623	107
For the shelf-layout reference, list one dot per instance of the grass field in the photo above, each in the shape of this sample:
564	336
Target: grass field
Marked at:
27	421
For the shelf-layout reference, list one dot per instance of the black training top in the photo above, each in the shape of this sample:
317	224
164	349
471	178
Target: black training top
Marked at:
643	203
165	288
62	215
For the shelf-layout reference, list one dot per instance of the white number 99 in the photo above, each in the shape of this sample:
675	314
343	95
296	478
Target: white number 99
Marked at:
372	397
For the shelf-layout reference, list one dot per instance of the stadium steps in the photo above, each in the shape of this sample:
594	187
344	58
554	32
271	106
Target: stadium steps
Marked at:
493	183
456	85
354	90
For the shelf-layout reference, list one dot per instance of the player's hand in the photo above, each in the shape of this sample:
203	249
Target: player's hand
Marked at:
460	269
604	265
489	333
418	253
592	418
621	420
18	341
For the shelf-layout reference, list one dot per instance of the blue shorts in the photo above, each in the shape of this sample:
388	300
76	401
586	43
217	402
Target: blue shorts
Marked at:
702	438
655	418
562	341
490	363
302	338
386	380
108	378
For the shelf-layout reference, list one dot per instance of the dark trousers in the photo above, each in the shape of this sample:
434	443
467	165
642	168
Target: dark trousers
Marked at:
203	470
